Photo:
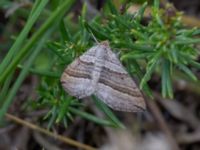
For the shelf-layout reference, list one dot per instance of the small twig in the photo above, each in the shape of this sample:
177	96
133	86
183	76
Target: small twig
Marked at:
44	131
162	123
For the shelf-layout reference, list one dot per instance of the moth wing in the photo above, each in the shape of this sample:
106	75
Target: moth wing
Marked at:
77	79
116	88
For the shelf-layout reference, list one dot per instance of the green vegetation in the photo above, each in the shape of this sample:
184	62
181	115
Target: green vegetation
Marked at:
161	46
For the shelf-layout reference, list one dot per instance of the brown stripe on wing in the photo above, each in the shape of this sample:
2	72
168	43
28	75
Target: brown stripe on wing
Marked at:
79	64
112	71
122	107
130	91
119	100
118	78
77	74
85	62
80	69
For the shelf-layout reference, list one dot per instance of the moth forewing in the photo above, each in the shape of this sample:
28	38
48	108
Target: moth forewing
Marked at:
98	71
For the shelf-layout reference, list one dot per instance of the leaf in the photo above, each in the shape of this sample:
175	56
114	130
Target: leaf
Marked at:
137	55
185	41
150	69
187	71
55	48
35	12
53	115
64	108
139	74
195	64
66	36
98	33
108	112
46	73
112	7
90	117
166	79
21	77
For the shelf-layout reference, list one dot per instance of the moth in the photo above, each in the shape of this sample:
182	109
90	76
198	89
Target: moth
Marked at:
98	71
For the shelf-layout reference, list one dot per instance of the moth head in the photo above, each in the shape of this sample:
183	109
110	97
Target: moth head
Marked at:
105	43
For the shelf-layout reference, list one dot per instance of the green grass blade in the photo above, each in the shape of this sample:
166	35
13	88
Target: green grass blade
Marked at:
195	64
139	73
22	36
187	41
188	72
5	88
150	69
59	12
166	80
112	7
20	79
64	32
108	113
42	72
97	33
90	117
34	7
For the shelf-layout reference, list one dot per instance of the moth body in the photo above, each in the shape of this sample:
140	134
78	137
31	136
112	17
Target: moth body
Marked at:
98	71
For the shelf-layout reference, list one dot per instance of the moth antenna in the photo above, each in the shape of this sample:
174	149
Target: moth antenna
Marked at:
118	54
94	38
